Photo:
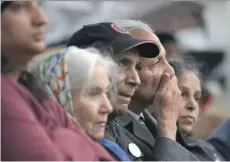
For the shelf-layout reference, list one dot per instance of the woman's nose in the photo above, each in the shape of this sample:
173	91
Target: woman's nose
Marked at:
106	107
191	105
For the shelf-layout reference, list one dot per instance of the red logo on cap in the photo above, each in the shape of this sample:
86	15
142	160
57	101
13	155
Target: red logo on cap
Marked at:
119	30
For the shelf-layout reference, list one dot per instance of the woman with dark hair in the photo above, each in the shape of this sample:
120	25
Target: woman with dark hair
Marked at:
33	126
189	82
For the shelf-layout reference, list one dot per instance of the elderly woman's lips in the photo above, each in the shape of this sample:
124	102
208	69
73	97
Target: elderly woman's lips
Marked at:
101	124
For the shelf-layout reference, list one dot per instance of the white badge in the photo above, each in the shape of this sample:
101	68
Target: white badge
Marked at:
134	150
217	159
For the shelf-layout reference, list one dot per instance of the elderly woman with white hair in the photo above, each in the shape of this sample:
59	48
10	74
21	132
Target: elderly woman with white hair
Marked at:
84	82
79	80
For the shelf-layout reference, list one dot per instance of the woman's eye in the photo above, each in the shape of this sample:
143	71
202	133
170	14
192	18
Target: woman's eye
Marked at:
18	6
93	93
197	98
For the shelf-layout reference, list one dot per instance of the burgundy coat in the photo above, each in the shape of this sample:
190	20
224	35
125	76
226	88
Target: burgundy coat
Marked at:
34	131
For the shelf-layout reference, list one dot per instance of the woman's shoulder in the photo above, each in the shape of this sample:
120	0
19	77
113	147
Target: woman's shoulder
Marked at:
206	147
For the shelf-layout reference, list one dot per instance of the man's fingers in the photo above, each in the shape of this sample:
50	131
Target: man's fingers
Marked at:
164	83
174	81
174	85
165	80
176	93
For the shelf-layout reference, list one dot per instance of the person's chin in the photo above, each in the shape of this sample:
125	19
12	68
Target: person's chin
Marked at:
186	128
98	136
38	47
121	109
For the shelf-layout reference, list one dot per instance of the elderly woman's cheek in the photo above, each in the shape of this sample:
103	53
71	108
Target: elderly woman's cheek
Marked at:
94	123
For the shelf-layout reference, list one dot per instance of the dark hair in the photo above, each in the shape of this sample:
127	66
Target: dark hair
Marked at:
188	66
3	63
166	37
182	66
25	78
5	4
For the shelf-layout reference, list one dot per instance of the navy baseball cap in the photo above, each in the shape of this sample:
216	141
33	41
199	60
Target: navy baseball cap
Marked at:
119	39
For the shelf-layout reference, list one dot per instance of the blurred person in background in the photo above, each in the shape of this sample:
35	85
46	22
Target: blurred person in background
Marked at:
138	122
34	127
220	139
170	45
189	82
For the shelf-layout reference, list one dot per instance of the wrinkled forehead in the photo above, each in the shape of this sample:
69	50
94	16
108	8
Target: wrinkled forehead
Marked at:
144	34
149	35
131	56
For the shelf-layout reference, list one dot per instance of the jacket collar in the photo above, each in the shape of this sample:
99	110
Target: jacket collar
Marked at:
133	126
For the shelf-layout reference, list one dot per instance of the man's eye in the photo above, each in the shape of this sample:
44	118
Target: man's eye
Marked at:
183	94
120	64
155	63
138	68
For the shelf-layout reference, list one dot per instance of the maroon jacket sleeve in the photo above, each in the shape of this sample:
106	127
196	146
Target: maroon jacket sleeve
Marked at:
31	133
23	138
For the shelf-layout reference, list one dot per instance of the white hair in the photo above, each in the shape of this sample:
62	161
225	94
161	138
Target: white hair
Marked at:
80	64
129	25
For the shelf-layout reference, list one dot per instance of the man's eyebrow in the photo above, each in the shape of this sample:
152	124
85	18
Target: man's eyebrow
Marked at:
125	59
183	88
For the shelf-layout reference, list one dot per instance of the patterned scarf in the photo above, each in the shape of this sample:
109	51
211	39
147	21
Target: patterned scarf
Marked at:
53	73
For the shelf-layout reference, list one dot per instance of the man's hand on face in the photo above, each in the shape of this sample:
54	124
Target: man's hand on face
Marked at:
166	106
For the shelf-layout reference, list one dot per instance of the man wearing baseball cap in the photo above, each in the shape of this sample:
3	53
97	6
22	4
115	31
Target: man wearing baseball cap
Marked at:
126	51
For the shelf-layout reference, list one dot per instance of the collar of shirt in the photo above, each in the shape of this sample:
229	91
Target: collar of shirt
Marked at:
136	116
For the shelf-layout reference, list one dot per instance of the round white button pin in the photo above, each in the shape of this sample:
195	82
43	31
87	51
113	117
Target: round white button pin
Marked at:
134	150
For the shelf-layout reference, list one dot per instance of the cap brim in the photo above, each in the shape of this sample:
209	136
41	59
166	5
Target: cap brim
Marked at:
149	49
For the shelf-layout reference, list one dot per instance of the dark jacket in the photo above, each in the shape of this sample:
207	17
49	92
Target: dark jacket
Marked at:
220	139
203	150
126	130
34	131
